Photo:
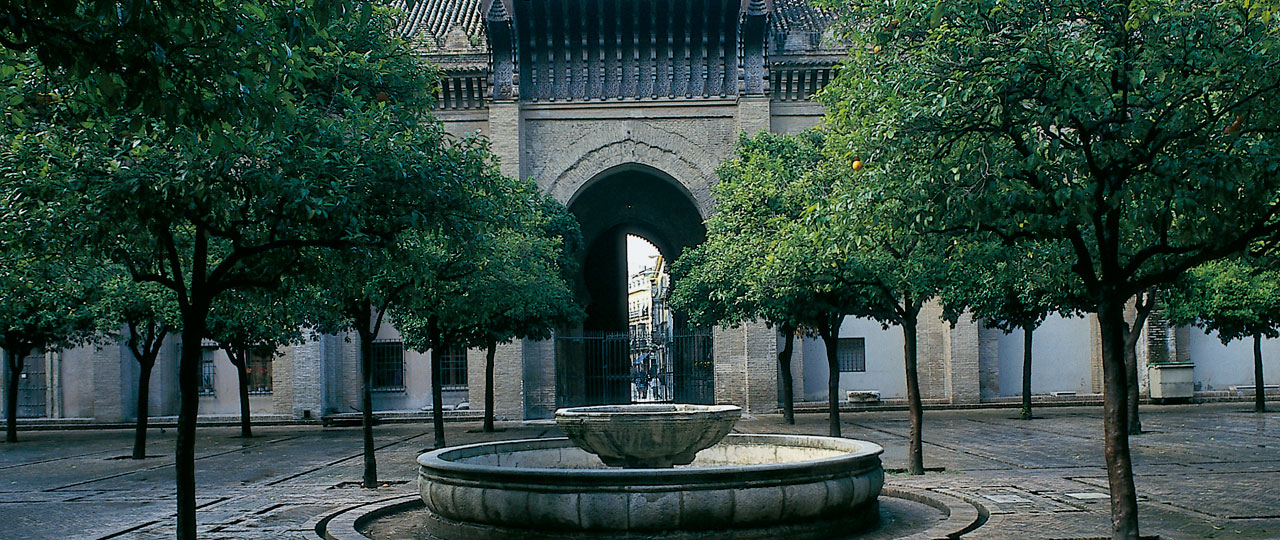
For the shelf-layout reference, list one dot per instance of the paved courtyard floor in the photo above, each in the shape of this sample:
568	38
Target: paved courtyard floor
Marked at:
1203	471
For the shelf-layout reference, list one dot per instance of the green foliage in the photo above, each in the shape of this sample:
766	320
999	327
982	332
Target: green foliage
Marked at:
1009	287
46	282
138	314
507	280
124	301
200	64
45	300
869	239
1143	135
259	321
523	289
1237	298
739	273
189	211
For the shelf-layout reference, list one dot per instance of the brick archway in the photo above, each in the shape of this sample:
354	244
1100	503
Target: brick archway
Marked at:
615	147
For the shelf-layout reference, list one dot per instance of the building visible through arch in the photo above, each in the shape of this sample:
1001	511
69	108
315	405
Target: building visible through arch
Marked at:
622	110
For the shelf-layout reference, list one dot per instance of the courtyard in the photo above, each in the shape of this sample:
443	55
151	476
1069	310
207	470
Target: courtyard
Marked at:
1203	471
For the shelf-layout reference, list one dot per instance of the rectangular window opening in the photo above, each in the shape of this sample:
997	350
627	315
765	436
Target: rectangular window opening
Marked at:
259	368
207	371
388	366
453	368
851	355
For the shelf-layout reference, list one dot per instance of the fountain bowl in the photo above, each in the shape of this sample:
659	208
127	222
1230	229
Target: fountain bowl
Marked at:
746	487
647	436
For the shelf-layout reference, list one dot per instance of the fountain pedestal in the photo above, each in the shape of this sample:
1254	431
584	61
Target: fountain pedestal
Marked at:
647	436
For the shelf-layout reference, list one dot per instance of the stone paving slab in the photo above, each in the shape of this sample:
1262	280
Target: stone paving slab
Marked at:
1203	471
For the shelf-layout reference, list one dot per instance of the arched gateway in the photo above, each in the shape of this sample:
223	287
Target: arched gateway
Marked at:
623	111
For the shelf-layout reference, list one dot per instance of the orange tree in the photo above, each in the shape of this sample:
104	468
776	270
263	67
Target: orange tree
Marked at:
342	152
1143	135
748	270
1236	298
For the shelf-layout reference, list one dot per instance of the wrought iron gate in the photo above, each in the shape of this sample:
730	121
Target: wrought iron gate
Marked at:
694	376
600	368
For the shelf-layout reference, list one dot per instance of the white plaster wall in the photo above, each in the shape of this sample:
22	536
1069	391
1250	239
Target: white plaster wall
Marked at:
885	371
226	391
77	382
1059	358
1218	366
417	380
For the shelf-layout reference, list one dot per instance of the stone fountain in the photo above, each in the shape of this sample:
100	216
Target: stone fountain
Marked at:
636	471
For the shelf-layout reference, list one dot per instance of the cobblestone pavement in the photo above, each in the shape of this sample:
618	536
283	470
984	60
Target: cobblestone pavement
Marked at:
1203	471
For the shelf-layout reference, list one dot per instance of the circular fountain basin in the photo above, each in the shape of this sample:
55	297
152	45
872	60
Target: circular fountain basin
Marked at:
748	486
647	436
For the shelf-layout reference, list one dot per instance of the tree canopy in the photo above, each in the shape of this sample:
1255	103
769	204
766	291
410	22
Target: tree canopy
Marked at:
740	273
285	131
1142	135
1236	298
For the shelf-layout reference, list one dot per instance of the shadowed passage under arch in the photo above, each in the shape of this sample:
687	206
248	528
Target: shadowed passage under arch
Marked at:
595	362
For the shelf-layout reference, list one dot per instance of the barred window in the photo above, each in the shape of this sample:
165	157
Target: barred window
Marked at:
453	368
259	368
851	354
206	371
388	365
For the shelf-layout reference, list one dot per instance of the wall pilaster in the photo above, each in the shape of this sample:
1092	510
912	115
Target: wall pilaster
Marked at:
504	135
508	372
538	362
746	367
963	360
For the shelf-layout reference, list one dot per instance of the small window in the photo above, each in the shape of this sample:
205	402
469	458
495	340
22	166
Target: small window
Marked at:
388	366
453	368
851	354
259	368
206	371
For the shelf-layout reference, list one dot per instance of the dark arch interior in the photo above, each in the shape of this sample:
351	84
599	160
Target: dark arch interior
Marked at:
628	201
600	363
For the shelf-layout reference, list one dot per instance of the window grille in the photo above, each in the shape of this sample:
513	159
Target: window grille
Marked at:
206	371
259	368
851	354
453	368
388	366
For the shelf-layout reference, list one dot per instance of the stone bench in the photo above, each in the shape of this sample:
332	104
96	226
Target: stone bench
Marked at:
1249	389
862	396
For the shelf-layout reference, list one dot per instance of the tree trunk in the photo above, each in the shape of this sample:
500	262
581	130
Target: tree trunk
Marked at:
1144	302
1259	383
370	479
490	347
1027	337
915	448
784	370
437	398
240	359
144	396
13	365
1124	498
1132	392
193	324
831	340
